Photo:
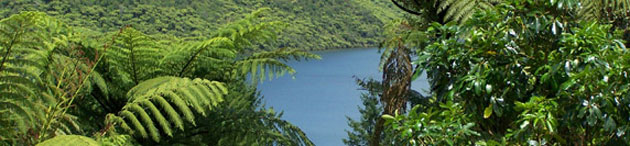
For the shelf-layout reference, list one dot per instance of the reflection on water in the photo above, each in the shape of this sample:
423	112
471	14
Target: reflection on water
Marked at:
324	92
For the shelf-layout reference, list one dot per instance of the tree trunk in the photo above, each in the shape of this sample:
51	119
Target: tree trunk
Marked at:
397	74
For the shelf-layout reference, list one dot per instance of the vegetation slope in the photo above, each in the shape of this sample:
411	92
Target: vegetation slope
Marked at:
315	24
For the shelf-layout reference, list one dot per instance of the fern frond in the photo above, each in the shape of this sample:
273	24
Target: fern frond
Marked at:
181	105
158	117
292	134
261	126
446	10
170	112
135	122
599	9
270	63
145	118
18	113
133	56
119	121
70	121
461	10
190	58
21	51
246	32
189	96
445	4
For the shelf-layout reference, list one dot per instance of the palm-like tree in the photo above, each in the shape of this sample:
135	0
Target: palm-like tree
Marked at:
137	85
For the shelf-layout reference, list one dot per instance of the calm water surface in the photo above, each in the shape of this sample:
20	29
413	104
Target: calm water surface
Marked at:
323	92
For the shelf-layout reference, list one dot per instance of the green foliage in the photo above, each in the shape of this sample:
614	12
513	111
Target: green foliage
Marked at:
33	96
526	72
152	101
315	24
362	129
443	11
57	81
21	106
271	63
241	120
606	10
77	140
537	121
217	56
447	125
246	32
132	57
115	140
399	34
207	57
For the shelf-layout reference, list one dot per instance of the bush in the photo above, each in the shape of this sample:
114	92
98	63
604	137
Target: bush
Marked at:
527	72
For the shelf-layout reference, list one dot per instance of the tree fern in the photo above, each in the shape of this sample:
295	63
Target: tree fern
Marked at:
271	63
46	69
605	9
252	29
179	99
241	120
264	127
206	56
133	57
21	45
445	10
38	81
218	55
263	64
68	81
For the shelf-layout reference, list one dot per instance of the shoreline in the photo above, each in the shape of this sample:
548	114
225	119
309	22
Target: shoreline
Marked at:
338	49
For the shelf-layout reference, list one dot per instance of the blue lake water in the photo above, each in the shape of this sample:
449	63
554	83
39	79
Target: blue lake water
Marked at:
324	92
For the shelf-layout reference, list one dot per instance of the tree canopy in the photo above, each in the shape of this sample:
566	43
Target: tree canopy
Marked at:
512	73
315	24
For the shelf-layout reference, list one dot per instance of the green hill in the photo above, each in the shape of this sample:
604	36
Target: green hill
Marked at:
312	24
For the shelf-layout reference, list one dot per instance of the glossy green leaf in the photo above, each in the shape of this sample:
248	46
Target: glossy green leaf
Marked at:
566	85
388	117
487	112
524	124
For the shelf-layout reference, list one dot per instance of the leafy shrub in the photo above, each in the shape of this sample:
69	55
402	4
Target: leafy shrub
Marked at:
527	72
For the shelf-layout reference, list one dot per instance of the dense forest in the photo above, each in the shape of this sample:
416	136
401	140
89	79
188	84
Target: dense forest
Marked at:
500	72
315	24
61	84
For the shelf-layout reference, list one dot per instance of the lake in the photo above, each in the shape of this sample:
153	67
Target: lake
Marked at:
324	92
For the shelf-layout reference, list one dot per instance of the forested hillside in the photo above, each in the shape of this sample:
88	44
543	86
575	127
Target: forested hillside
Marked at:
61	85
187	72
312	24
